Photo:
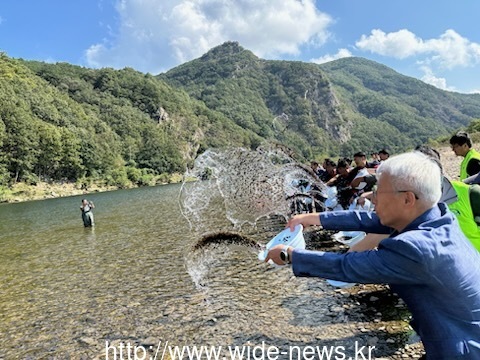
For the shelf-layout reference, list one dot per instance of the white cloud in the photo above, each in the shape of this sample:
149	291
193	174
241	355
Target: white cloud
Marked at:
448	51
94	52
430	78
452	50
400	44
154	36
342	53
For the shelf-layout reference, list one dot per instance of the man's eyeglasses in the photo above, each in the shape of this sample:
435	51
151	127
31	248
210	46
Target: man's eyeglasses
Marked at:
374	192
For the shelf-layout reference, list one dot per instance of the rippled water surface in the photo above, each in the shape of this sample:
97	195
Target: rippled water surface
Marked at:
66	290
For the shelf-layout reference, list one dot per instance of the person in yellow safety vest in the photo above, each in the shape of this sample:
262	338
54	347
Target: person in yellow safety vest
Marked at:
463	208
462	146
463	200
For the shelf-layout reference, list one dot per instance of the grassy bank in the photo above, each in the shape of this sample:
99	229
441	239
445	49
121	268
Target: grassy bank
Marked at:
48	190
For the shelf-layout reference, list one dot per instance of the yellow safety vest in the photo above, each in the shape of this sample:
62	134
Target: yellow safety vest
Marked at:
471	154
463	211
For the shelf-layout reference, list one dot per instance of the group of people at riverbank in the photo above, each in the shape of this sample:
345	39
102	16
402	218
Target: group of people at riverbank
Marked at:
428	251
349	181
330	170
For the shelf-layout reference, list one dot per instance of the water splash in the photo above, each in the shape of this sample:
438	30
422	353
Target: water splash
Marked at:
239	201
240	186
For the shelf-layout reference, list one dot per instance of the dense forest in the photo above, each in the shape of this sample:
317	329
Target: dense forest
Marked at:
123	127
66	122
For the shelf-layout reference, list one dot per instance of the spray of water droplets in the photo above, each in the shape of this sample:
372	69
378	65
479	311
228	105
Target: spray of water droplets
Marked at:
236	188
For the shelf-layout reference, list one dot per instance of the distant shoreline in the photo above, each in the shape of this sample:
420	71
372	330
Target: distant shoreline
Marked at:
22	192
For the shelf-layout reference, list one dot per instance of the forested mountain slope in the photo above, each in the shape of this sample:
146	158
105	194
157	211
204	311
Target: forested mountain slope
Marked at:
336	108
60	121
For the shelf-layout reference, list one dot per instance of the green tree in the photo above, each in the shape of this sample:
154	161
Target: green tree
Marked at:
21	143
49	150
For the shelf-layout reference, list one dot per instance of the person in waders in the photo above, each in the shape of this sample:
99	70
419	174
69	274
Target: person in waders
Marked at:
87	214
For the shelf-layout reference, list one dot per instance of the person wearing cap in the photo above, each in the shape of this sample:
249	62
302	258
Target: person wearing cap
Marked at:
462	146
426	259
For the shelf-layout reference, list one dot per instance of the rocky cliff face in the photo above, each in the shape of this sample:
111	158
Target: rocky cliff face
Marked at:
340	107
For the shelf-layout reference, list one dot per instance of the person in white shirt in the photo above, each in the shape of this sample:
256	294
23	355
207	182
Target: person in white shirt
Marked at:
358	183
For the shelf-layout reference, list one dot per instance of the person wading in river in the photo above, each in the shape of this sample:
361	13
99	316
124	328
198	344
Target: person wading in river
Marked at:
87	214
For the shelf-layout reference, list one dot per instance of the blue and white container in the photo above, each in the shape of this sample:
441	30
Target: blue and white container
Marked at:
293	238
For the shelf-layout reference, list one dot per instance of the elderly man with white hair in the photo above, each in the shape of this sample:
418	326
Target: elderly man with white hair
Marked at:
426	259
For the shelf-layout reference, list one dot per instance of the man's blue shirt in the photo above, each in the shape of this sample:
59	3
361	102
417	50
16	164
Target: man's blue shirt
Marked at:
430	265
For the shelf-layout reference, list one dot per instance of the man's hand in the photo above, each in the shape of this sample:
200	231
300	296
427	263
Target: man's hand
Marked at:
274	254
303	219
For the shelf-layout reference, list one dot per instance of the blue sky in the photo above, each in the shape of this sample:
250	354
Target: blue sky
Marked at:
435	41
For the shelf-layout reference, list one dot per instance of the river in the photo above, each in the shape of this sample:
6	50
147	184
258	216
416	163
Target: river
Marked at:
67	292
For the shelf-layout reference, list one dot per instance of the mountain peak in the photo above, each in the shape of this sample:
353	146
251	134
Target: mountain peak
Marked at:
226	50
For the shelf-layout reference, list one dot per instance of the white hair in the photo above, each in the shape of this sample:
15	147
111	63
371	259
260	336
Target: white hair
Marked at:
414	172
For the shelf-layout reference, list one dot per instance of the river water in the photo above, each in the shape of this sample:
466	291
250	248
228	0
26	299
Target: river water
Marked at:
65	291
